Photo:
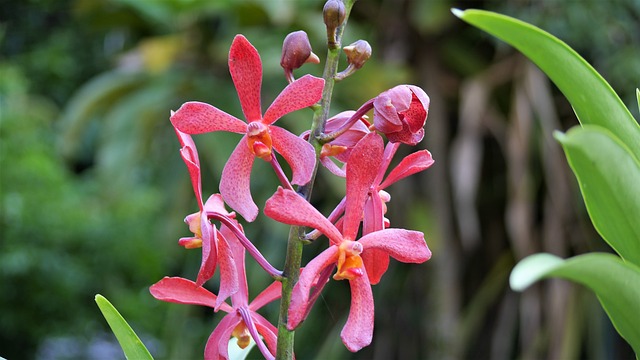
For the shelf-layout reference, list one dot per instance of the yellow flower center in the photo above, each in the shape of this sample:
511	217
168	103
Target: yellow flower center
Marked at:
349	261
241	332
259	140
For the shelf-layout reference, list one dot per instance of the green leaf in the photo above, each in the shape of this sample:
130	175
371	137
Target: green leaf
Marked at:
638	97
609	179
615	282
131	345
592	98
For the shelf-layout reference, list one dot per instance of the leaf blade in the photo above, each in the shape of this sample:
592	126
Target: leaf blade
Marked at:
608	177
615	282
131	345
592	98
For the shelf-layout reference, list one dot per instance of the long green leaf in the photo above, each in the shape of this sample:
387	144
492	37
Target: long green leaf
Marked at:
133	348
615	282
609	179
592	98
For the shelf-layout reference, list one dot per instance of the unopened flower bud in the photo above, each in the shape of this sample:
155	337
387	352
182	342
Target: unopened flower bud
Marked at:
296	50
358	53
333	14
400	113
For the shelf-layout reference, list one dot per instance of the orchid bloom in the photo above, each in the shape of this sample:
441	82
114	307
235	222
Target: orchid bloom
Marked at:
377	261
260	136
400	113
215	249
345	250
340	148
242	320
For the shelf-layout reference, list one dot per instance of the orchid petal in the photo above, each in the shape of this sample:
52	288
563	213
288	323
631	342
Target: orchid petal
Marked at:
228	273
403	245
267	330
362	169
248	317
215	203
218	343
300	294
182	291
297	152
411	164
288	207
376	261
332	167
271	293
196	117
235	181
358	331
385	116
245	67
389	151
300	94
189	155
237	252
418	110
209	250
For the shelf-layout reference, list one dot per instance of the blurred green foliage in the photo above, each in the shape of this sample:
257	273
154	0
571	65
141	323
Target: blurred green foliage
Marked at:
93	191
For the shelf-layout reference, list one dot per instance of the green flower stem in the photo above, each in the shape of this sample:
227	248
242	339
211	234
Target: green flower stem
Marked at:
295	242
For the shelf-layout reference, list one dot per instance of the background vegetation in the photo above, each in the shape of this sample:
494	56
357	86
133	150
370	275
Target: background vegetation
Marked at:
93	191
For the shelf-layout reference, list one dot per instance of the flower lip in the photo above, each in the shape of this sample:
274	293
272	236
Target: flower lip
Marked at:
259	140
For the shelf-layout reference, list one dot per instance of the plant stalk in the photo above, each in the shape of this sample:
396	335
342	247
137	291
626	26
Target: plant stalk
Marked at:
295	243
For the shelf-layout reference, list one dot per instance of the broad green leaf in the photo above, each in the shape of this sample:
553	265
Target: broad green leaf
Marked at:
131	345
609	179
615	282
592	98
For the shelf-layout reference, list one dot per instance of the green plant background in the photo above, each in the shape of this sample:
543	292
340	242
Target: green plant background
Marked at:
93	191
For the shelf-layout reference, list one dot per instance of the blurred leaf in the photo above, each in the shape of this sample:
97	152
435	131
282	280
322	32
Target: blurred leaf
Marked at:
638	97
615	282
131	345
592	98
608	176
90	100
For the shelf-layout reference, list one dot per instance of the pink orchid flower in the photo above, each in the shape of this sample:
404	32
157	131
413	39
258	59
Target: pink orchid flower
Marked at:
345	250
400	113
260	136
215	249
242	320
377	261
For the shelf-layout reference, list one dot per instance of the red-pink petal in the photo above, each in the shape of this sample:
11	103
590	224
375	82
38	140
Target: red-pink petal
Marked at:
236	179
271	293
403	245
267	330
300	94
228	273
183	291
376	261
237	251
197	117
189	155
358	331
218	343
362	168
297	152
245	67
308	276
288	207
209	250
411	164
332	167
